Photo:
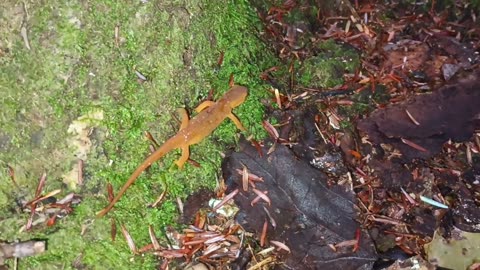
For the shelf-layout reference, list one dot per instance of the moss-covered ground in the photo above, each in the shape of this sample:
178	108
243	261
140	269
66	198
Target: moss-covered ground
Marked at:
69	90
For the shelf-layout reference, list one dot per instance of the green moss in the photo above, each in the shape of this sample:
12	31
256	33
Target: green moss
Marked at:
325	70
366	101
75	67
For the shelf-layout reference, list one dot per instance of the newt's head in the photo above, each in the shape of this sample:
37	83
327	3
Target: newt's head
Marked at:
236	95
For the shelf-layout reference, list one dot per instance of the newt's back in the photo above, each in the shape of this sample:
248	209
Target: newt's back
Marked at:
209	119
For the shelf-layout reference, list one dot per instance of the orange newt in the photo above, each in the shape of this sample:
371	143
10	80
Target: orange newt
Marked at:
210	115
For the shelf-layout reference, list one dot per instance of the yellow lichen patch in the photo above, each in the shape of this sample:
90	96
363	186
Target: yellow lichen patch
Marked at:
80	142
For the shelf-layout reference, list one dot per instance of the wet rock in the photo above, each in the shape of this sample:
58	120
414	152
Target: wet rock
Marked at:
330	162
449	70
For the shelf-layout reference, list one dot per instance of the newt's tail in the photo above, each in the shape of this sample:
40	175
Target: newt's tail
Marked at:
159	153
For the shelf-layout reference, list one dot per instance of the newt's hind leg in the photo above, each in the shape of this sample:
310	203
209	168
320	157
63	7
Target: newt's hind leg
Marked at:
184	118
185	154
204	105
236	121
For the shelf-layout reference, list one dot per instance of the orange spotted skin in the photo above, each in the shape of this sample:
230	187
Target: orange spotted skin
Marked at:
210	116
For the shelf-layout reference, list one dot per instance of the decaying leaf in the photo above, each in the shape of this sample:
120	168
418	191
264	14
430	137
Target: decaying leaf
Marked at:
305	210
458	252
448	113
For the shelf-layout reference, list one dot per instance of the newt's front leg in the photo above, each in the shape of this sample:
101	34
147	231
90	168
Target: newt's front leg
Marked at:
236	121
185	154
184	118
204	105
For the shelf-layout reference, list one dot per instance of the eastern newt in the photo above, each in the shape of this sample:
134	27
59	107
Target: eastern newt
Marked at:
210	115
